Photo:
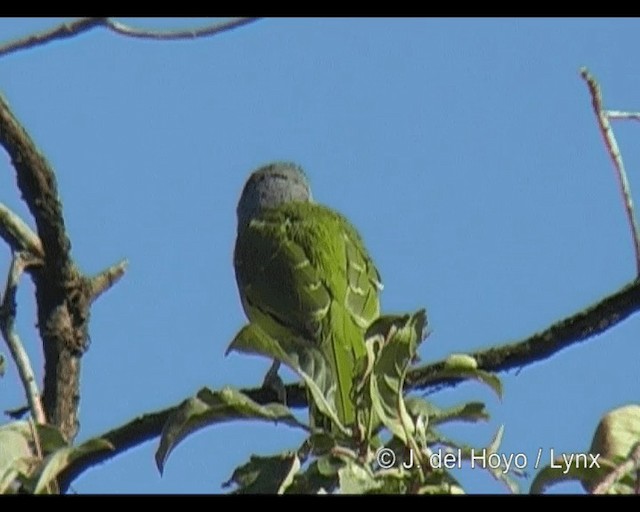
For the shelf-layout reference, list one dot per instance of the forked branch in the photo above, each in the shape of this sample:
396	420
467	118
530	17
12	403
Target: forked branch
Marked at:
611	144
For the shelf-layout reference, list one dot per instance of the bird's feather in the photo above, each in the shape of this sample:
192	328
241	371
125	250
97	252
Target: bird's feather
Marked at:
302	268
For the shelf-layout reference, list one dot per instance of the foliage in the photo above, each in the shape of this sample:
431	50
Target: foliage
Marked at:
340	458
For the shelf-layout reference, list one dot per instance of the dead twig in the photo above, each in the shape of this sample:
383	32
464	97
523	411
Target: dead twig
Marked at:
16	348
603	117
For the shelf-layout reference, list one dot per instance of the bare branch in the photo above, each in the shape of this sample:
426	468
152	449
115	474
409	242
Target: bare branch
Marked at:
632	462
163	35
77	27
616	157
585	324
17	234
106	279
70	29
141	429
618	114
61	292
37	183
18	353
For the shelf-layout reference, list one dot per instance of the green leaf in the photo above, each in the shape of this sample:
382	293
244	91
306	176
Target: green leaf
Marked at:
461	361
50	439
2	365
617	433
356	479
615	437
304	359
464	366
495	443
320	477
503	471
55	463
394	341
210	407
559	471
265	475
402	481
15	447
469	412
321	443
17	458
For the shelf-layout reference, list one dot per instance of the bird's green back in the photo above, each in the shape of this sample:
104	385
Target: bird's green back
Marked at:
303	268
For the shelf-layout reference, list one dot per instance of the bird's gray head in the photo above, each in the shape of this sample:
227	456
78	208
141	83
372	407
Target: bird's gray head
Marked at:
270	186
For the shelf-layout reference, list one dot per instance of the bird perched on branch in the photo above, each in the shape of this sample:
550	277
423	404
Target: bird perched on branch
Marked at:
302	269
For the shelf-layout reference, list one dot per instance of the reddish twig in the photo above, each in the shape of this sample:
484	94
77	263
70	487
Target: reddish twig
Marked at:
614	152
630	464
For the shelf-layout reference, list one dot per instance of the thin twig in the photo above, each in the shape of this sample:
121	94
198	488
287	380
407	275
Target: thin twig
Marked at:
76	27
36	439
618	114
106	279
18	353
164	35
63	31
632	462
17	234
616	157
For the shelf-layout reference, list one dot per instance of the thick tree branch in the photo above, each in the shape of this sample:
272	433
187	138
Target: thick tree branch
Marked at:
77	27
62	293
18	353
581	326
138	431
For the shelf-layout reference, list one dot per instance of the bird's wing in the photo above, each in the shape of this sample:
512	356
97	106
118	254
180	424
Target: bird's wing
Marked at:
302	267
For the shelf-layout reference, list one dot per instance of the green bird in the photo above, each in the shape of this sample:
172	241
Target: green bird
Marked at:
302	269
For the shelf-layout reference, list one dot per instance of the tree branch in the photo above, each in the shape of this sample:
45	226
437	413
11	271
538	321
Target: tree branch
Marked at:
17	234
18	353
61	292
62	31
581	326
632	462
100	283
585	324
77	27
614	153
163	35
138	431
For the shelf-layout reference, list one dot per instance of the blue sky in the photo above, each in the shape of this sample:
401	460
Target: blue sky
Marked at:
464	150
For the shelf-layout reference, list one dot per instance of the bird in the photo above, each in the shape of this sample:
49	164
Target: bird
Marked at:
302	268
